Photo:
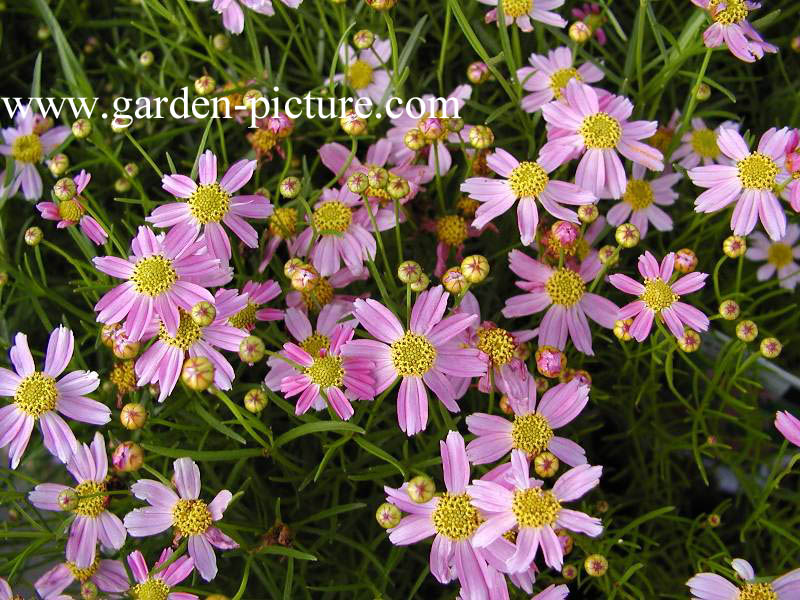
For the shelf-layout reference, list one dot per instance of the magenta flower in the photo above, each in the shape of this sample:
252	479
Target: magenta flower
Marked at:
659	297
93	521
522	11
789	426
165	273
548	75
158	585
38	395
601	136
641	201
730	26
233	14
534	511
562	291
750	182
186	514
780	256
108	575
532	428
212	202
71	212
527	182
257	293
710	586
419	356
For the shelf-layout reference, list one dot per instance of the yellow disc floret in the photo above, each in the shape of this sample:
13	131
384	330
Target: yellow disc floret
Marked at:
187	335
154	275
757	591
758	171
191	517
455	517
36	394
326	371
560	79
315	342
91	499
658	295
704	143
27	149
413	355
318	296
83	575
152	589
528	180
245	318
779	254
498	344
71	210
359	74
600	131
565	287
517	8
728	12
452	230
332	217
209	203
531	433
283	222
535	508
638	193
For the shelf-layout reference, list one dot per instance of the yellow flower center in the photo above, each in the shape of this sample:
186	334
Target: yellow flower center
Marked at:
658	295
263	140
187	335
497	344
779	254
639	194
154	275
528	180
91	499
283	222
535	508
531	433
560	79
209	203
467	206
758	171
359	74
152	589
452	230
317	297
455	517
245	318
517	8
27	148
83	575
37	394
704	143
733	12
565	287
123	376
70	210
332	217
758	591
413	355
600	131
191	517
662	138
315	342
326	371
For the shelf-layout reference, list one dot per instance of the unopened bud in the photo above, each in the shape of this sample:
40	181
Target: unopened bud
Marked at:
251	349
58	165
67	499
770	347
481	137
377	178
127	457
622	329
398	188
565	232
729	310
81	128
550	361
289	187
65	189
588	213
221	42
734	246
204	85
203	313
146	58
33	236
477	73
546	464
690	341
414	140
421	489
580	32
409	271
255	400
746	330
685	260
421	284
388	515
627	235
363	39
475	268
133	416
608	255
454	281
596	565
703	92
352	124
197	373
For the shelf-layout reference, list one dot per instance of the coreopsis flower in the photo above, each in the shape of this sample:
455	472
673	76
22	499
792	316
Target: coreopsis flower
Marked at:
187	515
452	519
365	70
419	356
789	426
699	144
40	395
108	575
750	182
522	12
562	291
162	362
93	521
531	431
640	203
257	293
791	192
529	183
659	297
591	14
710	586
779	255
324	291
281	227
533	511
233	14
72	212
158	586
600	135
730	26
210	203
29	142
548	75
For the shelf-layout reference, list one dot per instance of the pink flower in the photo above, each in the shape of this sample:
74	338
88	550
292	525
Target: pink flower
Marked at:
538	512
522	11
532	428
780	256
186	514
233	15
789	426
419	356
324	292
730	26
257	293
591	14
641	201
549	75
37	395
365	71
563	290
700	145
148	586
165	273
71	212
211	202
659	297
710	586
527	182
108	575
601	136
93	521
750	182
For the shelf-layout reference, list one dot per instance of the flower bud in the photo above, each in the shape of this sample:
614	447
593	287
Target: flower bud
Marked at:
580	32
685	260
255	400
703	92
550	361
81	128
131	170
734	246
596	565
65	189
146	58
714	520
363	39
546	464
421	489
89	591
377	178
454	124
542	385
58	165
432	128
729	310
357	183
690	341
565	539
622	329
122	185
475	268
746	330
33	235
627	235
608	255
569	572
601	506
221	42
3	278
120	124
409	271
454	281
505	405
251	349
582	375
250	97
481	137
304	278
67	499
123	348
565	232
197	373
398	188
381	5
203	313
414	140
107	334
291	266
289	187
127	457
133	416
204	85
770	347
388	515
352	124
43	33
421	284
477	73
588	213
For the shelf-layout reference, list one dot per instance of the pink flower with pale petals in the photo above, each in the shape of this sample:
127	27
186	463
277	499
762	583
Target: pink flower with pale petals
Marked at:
548	75
659	297
789	426
700	145
324	292
185	513
365	70
93	521
71	212
730	26
591	14
109	576
791	192
641	202
233	14
38	395
522	12
148	586
780	256
710	586
257	293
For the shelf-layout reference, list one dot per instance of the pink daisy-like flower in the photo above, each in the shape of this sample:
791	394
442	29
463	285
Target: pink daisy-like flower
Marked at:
28	143
548	75
165	273
527	182
282	227
601	135
591	14
212	202
324	292
108	575
186	514
163	580
93	521
750	182
532	428
699	145
163	361
730	26
365	71
562	291
39	395
257	293
780	256
641	201
71	212
534	511
452	519
710	586
789	426
791	192
659	297
522	11
419	356
233	14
